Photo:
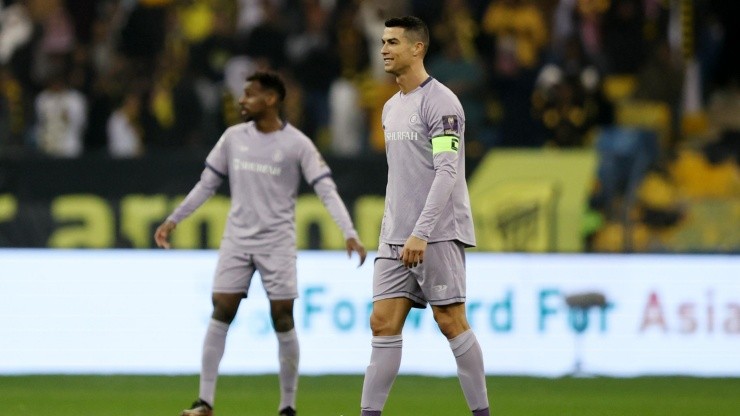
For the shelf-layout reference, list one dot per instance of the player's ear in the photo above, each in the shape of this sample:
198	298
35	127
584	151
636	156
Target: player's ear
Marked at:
272	98
419	49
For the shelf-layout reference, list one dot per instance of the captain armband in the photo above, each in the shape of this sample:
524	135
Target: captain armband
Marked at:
445	144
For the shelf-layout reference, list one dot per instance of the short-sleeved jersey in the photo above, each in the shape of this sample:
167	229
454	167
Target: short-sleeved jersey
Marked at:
264	171
424	139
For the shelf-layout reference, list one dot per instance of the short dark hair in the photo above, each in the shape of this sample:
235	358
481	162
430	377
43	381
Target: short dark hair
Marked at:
414	26
271	81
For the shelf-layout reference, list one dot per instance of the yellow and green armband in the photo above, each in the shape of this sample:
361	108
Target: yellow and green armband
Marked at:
445	144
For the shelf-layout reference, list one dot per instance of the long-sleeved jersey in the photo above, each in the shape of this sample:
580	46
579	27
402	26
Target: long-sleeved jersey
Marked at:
427	194
264	171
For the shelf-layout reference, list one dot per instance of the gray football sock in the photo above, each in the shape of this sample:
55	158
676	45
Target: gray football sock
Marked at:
470	371
213	351
288	356
385	361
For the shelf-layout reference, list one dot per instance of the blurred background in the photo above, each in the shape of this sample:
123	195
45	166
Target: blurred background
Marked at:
592	125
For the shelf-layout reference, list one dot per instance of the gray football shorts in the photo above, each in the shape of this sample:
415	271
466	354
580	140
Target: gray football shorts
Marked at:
439	280
235	269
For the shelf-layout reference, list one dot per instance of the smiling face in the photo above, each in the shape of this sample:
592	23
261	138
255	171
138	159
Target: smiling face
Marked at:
399	51
255	100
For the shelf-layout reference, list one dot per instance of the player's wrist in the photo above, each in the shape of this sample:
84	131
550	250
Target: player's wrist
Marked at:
420	236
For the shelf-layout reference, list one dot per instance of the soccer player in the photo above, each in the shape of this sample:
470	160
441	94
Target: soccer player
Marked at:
427	222
264	159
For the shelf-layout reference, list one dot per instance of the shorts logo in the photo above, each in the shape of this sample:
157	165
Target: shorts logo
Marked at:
450	125
439	288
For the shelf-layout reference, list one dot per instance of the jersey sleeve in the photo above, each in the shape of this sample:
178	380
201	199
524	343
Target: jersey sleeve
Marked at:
313	166
218	159
446	122
204	189
326	189
213	175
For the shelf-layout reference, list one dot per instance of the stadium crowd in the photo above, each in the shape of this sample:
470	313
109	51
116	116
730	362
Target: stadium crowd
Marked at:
653	85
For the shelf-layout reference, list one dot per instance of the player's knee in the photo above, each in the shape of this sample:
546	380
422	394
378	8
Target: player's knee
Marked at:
381	325
223	314
450	329
451	324
283	322
225	307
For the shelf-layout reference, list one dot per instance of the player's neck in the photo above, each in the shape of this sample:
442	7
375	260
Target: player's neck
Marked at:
269	124
411	79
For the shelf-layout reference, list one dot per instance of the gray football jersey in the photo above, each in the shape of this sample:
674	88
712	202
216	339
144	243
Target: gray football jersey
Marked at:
264	173
427	193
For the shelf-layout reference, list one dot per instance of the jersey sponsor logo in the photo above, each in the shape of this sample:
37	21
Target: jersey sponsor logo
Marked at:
278	156
257	167
451	125
392	136
414	118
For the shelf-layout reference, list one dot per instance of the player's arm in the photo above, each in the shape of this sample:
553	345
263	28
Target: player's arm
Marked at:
326	189
445	176
209	182
445	146
445	154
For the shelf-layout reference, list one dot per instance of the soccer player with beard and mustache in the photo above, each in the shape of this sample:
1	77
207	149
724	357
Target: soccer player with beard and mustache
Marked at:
264	159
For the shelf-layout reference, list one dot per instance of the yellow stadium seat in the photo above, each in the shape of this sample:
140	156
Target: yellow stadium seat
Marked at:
619	87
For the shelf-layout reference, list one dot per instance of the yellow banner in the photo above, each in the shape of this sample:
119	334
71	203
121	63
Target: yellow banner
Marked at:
531	200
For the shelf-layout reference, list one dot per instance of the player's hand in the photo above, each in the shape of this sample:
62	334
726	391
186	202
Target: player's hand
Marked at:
412	253
162	235
354	244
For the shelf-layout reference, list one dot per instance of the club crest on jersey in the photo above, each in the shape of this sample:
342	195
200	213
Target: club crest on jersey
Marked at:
450	125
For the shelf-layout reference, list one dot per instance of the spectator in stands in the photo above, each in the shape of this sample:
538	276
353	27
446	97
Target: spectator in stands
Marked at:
567	98
454	20
623	39
208	60
313	61
348	108
174	110
124	130
518	37
464	76
16	30
61	114
661	79
15	111
266	41
142	37
57	42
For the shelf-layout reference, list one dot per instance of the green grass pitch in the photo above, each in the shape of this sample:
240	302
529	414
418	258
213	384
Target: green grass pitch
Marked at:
340	395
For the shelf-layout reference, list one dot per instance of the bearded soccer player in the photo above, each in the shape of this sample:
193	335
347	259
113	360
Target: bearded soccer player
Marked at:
427	222
264	159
